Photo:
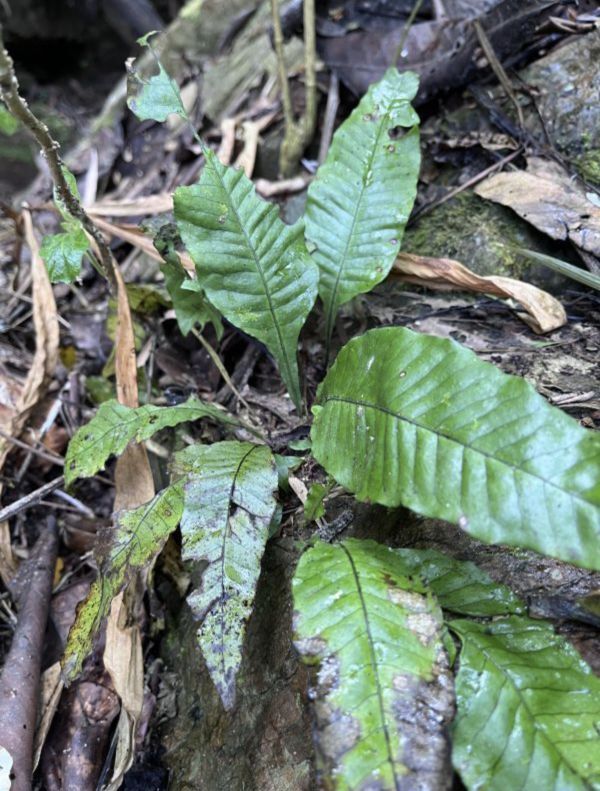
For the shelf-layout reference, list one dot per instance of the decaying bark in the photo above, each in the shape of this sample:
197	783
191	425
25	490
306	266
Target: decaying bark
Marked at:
19	684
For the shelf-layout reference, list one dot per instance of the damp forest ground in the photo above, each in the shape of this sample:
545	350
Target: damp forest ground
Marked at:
185	740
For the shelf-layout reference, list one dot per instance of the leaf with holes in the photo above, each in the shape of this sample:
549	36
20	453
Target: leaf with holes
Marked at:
460	585
121	550
407	419
114	426
189	301
528	709
384	694
253	268
228	510
363	194
152	98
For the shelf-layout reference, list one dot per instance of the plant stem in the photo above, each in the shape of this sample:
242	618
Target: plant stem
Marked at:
406	30
220	367
297	134
18	107
310	69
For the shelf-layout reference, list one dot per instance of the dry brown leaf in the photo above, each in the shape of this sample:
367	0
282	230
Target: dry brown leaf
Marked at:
133	235
134	485
17	399
149	204
225	151
269	189
544	312
546	197
52	687
247	156
124	661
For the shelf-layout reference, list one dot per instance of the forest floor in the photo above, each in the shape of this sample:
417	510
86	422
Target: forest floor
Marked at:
470	132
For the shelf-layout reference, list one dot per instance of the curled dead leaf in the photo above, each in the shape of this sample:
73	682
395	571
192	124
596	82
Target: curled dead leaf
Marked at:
544	312
17	399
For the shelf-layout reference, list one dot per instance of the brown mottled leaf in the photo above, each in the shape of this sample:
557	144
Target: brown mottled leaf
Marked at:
383	693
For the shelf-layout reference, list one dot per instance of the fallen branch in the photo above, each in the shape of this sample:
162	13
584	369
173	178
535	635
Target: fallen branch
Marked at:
19	684
30	499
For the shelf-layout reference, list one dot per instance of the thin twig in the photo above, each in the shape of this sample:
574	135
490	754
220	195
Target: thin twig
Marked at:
406	30
18	107
498	69
42	454
297	134
310	70
331	108
284	86
30	499
462	187
220	367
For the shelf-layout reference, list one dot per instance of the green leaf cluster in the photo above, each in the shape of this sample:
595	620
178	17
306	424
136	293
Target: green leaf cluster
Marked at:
63	252
527	705
400	419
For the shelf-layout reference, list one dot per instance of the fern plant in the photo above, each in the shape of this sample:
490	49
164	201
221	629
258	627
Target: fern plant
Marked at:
400	419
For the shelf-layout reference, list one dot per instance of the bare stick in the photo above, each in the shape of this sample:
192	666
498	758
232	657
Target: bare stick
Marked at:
297	134
331	108
19	685
30	499
497	68
406	30
18	107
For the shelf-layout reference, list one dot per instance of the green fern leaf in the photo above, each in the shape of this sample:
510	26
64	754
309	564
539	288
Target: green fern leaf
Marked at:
228	509
363	194
114	426
407	419
254	269
128	546
528	709
383	694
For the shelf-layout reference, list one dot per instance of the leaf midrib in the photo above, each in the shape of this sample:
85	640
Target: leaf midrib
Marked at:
283	350
222	599
512	467
373	662
332	309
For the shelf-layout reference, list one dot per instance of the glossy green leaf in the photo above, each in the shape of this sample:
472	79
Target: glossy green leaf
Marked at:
383	693
114	426
228	510
460	585
407	419
253	268
189	301
128	546
528	709
363	194
63	252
